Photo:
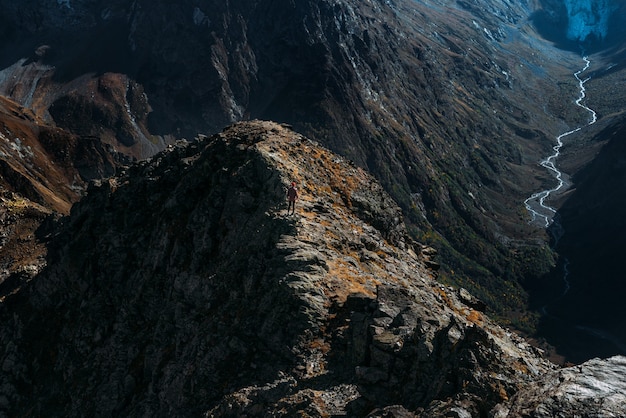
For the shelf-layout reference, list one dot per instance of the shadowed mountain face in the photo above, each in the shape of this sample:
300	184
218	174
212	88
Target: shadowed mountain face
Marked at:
450	104
587	314
586	18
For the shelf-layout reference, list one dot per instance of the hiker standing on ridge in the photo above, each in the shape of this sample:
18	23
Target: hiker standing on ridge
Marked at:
292	196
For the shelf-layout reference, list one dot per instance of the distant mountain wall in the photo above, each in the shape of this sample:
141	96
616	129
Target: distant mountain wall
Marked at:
590	24
594	243
588	18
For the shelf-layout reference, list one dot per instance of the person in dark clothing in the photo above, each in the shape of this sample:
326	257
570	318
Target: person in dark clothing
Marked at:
292	196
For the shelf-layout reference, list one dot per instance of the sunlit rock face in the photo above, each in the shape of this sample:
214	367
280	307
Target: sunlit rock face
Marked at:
588	18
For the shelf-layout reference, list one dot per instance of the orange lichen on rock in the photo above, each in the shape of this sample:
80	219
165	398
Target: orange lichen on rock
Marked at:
474	317
344	279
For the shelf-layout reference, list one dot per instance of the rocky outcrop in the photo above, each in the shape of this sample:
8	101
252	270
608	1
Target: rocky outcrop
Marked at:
593	389
182	288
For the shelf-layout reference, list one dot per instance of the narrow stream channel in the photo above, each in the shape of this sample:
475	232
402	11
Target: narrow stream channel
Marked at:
543	215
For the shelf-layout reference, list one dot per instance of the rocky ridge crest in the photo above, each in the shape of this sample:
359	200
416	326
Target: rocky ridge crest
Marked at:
182	288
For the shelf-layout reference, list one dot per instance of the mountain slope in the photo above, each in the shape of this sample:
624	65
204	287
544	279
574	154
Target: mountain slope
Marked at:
43	171
447	103
209	299
450	104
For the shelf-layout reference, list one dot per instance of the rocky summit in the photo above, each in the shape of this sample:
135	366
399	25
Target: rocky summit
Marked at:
181	287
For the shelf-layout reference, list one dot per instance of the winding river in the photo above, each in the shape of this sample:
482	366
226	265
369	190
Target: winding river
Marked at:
541	213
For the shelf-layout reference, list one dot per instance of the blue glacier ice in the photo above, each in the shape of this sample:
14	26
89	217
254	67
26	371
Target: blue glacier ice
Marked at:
588	17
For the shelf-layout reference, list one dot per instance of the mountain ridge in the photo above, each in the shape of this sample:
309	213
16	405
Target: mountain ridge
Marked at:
211	301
